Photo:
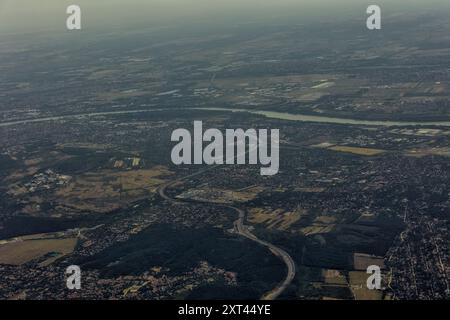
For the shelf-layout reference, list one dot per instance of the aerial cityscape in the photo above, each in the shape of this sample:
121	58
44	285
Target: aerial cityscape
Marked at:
350	173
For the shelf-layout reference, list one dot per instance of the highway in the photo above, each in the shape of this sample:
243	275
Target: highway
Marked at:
241	229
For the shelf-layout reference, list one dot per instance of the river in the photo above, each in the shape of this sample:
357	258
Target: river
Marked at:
268	114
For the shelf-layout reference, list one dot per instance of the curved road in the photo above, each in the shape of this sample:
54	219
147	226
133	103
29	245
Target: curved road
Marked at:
241	229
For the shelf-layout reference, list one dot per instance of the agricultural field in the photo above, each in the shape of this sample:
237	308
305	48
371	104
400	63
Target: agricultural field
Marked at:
278	219
108	190
358	151
359	288
23	251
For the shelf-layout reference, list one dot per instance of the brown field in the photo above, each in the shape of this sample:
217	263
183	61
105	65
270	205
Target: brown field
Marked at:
33	162
357	150
334	277
33	165
17	253
322	224
358	285
445	152
361	261
22	173
275	219
107	190
317	229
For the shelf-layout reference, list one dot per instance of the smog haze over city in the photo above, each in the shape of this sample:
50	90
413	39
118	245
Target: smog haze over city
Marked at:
224	150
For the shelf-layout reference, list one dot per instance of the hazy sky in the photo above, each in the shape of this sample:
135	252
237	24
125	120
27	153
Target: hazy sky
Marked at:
38	15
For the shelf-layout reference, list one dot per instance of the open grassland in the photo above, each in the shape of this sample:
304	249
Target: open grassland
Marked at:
20	252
